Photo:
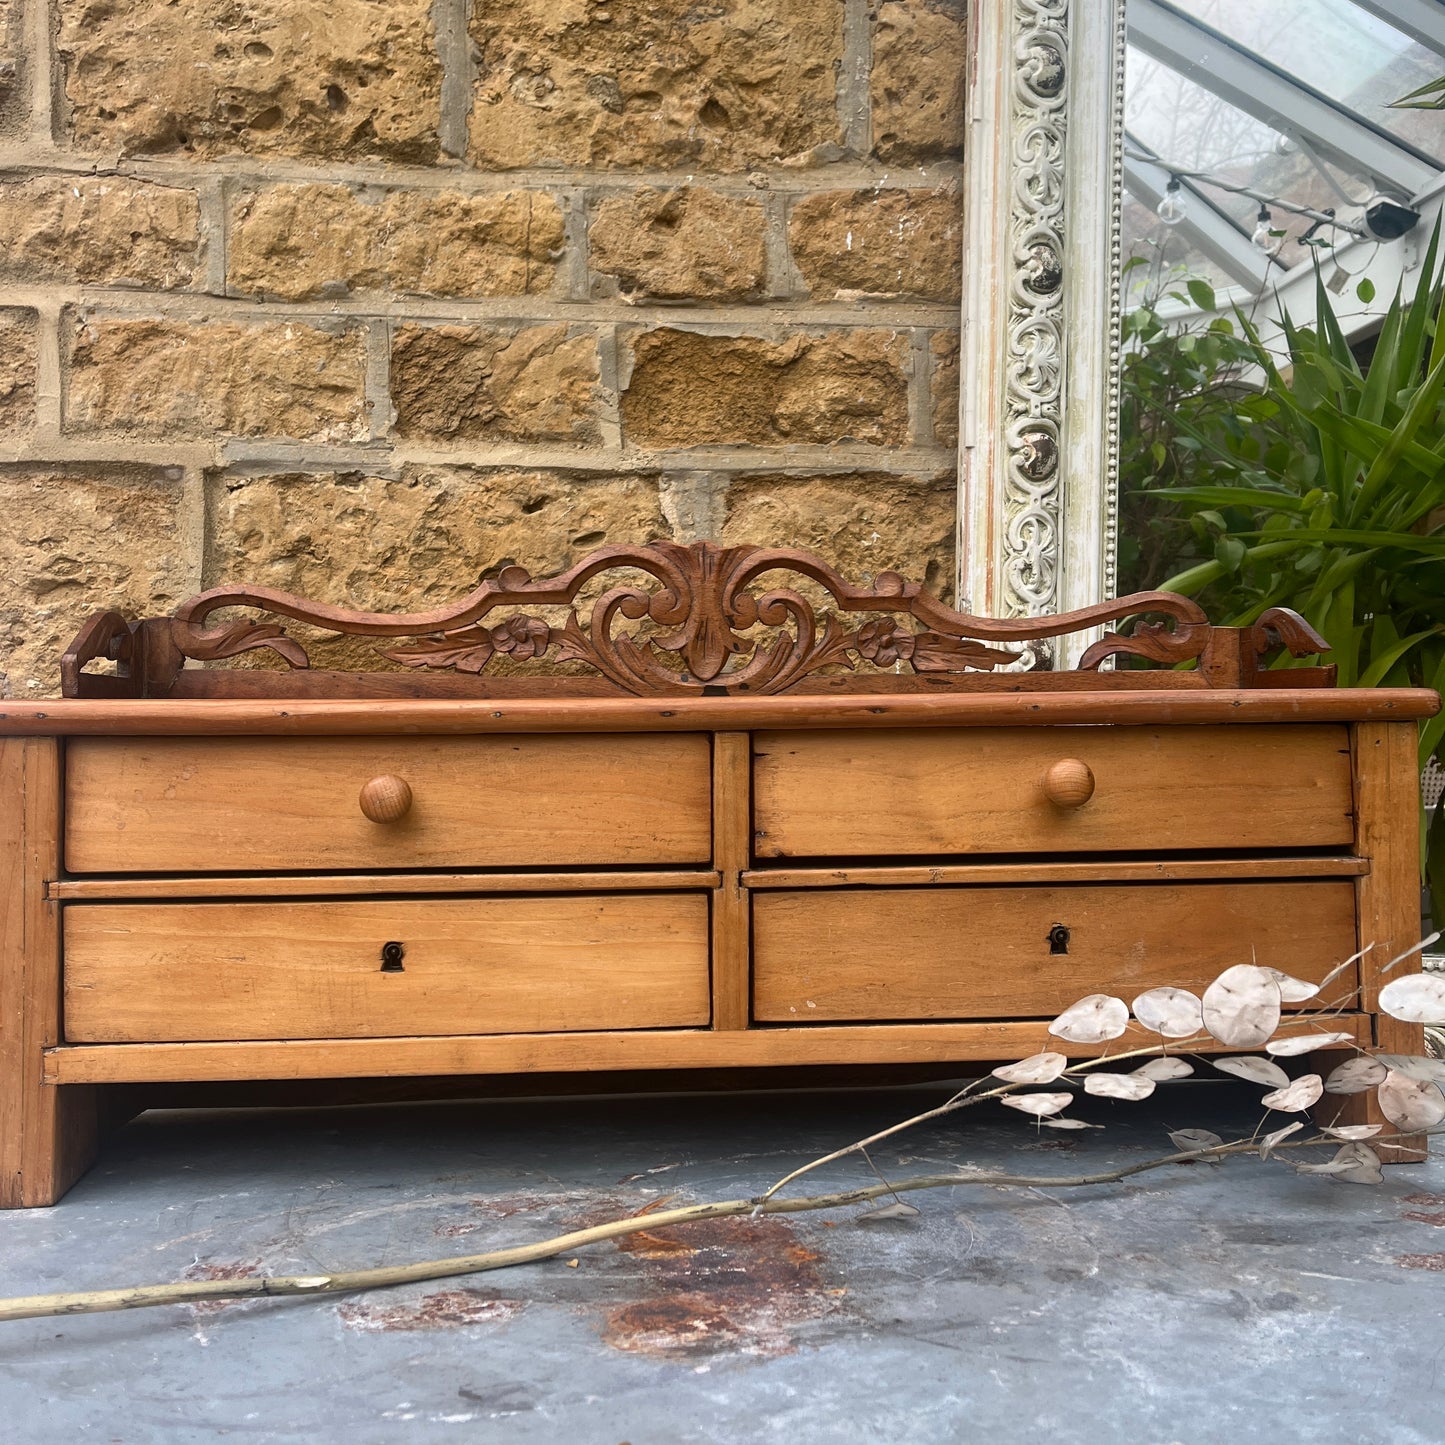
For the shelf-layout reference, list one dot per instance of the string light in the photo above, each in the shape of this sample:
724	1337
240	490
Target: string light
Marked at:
1173	207
1264	238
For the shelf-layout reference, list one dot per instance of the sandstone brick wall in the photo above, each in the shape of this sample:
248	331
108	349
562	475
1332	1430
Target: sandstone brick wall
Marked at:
361	298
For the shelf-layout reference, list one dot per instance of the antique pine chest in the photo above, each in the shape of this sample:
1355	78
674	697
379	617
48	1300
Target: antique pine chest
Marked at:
796	824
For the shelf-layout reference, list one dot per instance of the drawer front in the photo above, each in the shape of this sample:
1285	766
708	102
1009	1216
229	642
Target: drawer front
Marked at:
236	804
213	971
942	791
986	953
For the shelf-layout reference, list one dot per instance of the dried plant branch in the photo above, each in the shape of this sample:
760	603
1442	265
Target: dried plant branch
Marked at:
962	1100
348	1282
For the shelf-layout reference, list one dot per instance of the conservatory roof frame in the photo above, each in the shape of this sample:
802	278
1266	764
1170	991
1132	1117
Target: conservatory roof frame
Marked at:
1422	20
1278	99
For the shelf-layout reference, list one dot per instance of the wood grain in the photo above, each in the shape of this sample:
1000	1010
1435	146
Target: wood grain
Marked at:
1103	870
1387	801
732	810
206	805
48	1135
991	1042
823	794
954	707
141	971
980	953
369	885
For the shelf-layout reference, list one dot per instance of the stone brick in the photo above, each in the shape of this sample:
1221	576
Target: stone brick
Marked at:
77	540
694	390
863	523
189	379
682	245
311	78
944	387
417	542
301	241
98	230
466	383
12	70
879	243
919	59
17	371
661	83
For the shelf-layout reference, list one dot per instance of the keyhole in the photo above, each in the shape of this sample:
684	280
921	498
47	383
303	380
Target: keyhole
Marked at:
1058	939
391	958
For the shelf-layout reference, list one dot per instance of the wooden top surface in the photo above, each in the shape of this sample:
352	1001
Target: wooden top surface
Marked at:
319	717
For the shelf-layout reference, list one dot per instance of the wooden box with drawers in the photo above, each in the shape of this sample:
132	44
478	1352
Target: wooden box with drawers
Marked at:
764	818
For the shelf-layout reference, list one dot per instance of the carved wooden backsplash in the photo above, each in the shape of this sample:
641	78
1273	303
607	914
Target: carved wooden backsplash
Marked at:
701	620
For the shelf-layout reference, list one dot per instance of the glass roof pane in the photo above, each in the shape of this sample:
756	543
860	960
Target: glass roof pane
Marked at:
1341	51
1191	129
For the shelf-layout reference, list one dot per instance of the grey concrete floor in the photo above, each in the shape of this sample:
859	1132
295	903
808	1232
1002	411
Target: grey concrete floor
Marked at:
1198	1305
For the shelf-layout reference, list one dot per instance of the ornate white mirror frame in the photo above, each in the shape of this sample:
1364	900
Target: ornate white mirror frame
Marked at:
1038	437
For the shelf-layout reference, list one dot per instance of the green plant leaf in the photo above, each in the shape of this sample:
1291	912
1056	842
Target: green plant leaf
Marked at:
1380	666
1201	293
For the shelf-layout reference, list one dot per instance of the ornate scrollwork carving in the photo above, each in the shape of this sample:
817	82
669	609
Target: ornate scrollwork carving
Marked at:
669	619
1034	371
234	638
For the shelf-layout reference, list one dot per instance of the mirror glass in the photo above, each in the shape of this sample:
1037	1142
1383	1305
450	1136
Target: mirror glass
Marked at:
1263	143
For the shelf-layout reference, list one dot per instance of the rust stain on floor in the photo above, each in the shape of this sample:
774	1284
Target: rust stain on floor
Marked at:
233	1269
721	1284
446	1309
1425	1216
1434	1262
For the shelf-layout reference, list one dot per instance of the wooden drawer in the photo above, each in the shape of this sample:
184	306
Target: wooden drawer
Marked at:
986	953
950	791
214	804
138	972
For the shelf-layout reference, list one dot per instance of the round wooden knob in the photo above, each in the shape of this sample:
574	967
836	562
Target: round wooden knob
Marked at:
1069	783
385	799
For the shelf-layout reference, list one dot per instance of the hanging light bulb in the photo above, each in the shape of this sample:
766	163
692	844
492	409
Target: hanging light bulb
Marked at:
1264	238
1173	207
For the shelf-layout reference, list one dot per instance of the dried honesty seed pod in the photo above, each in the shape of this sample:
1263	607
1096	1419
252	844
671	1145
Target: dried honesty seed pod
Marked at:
1253	1068
1364	1165
897	1210
1418	998
1354	1076
1410	1103
1118	1086
1187	1141
1292	989
1305	1044
1241	1006
1036	1069
1414	1066
1068	1124
1352	1132
1092	1020
1173	1012
1166	1068
1039	1105
1302	1094
1266	1145
1333	1166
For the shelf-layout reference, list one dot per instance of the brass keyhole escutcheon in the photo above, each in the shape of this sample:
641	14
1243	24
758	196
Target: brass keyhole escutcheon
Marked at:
391	958
1058	939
